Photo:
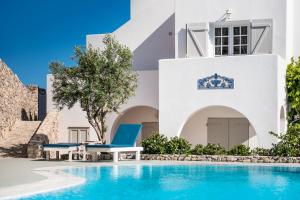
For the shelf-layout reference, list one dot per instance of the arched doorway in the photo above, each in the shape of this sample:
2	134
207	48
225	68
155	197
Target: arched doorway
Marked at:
219	125
145	115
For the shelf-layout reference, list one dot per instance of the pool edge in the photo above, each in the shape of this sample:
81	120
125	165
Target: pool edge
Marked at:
57	180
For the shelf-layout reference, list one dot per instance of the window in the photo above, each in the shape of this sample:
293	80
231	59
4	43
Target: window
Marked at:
240	40
78	135
221	41
231	40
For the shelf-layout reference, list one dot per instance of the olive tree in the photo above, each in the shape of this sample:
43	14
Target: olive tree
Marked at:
101	82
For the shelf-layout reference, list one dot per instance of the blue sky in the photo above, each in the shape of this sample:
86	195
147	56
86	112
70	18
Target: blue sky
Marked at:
35	32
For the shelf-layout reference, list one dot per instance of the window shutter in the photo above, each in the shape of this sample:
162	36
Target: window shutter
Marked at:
197	39
261	36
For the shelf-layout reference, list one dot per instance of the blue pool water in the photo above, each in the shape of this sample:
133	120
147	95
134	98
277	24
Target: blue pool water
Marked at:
182	182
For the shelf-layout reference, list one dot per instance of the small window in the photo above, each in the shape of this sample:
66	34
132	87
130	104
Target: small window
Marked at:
73	137
221	41
78	135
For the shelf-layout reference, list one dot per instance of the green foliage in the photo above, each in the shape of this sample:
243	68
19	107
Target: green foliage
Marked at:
289	144
100	82
178	145
261	152
214	149
159	144
240	150
198	150
155	144
293	88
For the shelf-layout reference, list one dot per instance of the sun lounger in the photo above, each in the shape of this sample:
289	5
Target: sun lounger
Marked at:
124	141
61	148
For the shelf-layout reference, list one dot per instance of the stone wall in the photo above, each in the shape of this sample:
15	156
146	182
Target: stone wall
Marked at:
222	158
17	101
46	133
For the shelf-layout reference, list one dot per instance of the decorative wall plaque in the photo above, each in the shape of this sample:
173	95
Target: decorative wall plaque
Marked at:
215	82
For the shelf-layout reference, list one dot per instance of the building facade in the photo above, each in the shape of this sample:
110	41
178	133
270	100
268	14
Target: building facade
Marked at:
210	71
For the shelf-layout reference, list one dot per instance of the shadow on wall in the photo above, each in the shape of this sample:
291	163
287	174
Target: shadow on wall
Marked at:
159	45
181	45
28	116
42	104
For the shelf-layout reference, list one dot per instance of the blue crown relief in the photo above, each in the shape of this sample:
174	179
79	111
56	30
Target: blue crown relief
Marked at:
215	82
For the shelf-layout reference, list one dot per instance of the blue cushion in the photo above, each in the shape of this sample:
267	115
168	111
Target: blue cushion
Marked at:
106	146
61	145
127	134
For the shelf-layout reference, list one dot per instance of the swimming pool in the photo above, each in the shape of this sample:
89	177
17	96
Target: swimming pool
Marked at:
182	182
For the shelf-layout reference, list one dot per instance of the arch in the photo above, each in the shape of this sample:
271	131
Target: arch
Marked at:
195	129
282	119
145	115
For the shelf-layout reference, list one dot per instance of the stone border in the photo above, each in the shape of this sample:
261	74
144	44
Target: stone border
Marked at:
222	158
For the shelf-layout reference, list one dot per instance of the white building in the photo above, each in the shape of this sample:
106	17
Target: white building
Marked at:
210	71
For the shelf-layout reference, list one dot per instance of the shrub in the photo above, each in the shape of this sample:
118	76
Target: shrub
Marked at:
155	144
292	87
214	149
178	145
261	152
198	150
240	150
289	144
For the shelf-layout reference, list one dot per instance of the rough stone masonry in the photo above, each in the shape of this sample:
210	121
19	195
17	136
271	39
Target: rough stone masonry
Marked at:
17	101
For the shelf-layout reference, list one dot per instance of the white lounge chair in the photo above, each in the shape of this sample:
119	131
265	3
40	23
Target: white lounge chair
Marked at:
124	141
61	148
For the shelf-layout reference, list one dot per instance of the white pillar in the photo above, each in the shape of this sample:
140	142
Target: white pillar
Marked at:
115	157
84	155
138	155
70	155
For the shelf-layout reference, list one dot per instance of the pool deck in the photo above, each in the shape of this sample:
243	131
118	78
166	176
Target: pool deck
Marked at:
26	176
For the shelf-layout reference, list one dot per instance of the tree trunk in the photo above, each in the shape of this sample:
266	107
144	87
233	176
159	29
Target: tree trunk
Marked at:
103	130
99	127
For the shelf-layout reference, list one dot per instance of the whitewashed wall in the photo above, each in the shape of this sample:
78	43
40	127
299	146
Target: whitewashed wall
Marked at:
296	25
150	36
281	95
195	11
149	33
146	95
255	94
